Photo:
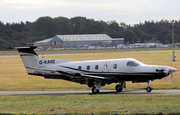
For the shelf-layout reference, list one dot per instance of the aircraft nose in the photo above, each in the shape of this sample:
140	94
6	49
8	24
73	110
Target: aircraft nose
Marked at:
172	69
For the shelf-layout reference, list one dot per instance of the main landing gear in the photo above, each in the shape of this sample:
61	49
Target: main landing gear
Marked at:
97	88
148	89
94	90
119	87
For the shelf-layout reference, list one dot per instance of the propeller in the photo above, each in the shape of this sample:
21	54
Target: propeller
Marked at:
171	78
170	73
171	70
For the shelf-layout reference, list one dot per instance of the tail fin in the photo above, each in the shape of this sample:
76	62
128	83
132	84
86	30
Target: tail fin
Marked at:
29	57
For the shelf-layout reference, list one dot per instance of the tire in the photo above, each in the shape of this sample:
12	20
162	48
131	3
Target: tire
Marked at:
95	91
148	89
119	88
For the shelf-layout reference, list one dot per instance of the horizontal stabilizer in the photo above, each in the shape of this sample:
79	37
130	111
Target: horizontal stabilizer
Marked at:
29	50
16	48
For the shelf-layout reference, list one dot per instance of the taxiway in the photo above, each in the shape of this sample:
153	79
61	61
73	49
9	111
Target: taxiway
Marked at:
124	92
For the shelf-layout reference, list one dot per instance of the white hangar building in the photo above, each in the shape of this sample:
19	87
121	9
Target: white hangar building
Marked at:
71	41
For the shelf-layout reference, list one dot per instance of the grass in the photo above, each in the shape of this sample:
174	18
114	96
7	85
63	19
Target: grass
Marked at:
91	104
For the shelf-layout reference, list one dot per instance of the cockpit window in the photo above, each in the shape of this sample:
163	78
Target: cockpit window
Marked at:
132	64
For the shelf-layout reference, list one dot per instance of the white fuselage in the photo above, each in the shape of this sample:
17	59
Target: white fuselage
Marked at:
111	67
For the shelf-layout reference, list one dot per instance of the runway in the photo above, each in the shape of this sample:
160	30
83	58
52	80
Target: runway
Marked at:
80	92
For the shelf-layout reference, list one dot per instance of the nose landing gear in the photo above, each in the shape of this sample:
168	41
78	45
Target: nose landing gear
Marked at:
148	89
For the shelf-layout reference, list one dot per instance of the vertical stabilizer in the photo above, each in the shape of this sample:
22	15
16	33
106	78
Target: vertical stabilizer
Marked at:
29	58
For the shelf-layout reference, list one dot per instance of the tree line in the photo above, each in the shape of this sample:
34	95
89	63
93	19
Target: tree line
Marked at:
19	34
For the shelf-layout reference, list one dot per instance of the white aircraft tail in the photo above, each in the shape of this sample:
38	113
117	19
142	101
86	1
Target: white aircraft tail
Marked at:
29	58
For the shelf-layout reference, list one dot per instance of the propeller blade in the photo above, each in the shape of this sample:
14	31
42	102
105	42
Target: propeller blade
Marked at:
171	79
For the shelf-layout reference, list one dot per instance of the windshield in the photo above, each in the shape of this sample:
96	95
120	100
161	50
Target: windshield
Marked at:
133	63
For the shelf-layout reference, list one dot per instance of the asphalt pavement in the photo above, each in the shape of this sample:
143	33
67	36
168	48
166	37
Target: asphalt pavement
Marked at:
80	92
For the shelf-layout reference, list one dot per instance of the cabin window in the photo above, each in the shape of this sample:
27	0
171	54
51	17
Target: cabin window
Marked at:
105	66
115	66
88	67
132	64
96	67
79	68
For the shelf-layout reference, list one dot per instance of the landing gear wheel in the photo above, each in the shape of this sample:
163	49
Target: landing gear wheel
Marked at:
94	90
119	88
148	89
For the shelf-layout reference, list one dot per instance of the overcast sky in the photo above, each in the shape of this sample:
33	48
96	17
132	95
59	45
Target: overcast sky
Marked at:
127	11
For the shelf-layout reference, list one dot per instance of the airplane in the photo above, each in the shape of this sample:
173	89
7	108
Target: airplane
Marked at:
94	73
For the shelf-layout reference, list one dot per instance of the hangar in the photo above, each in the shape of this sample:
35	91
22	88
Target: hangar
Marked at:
73	41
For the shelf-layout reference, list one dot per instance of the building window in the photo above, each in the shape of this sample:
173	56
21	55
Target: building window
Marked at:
96	67
79	68
88	67
105	66
115	66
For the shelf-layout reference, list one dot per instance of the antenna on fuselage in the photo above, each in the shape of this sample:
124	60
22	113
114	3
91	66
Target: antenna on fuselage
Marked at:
82	59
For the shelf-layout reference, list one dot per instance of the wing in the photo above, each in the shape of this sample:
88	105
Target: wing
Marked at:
93	77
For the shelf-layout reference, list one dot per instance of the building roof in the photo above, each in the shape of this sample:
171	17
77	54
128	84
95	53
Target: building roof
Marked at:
118	39
44	41
83	37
